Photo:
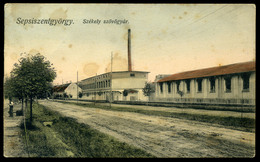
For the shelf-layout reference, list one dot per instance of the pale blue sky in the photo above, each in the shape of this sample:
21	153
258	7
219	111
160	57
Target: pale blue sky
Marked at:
166	38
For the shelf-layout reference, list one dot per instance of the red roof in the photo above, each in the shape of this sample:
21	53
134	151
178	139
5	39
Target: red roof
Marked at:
214	71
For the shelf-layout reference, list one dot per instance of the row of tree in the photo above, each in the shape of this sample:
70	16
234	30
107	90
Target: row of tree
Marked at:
30	78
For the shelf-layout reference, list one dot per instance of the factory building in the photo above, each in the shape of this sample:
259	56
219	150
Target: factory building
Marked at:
116	85
126	86
229	84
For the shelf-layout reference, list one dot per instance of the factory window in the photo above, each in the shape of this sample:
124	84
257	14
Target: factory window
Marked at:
199	85
161	87
132	75
228	84
169	87
178	85
108	83
212	84
187	85
245	78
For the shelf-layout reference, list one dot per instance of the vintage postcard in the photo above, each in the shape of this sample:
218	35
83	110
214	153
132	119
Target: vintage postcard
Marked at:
129	80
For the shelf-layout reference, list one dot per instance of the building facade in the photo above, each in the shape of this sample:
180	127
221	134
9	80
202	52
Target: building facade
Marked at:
72	90
230	84
124	85
59	90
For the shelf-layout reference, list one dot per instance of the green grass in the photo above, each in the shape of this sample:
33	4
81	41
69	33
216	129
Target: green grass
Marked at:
68	138
244	124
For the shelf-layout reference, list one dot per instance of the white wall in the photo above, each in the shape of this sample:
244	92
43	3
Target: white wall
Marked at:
72	90
220	92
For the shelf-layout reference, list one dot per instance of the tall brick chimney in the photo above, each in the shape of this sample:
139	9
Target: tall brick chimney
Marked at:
129	51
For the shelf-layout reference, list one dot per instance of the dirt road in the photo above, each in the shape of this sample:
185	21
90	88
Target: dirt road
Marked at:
163	136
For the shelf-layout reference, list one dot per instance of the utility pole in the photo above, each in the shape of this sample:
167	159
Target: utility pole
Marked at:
95	86
111	80
77	88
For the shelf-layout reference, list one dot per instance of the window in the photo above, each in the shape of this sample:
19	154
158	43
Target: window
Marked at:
161	87
169	87
132	75
228	84
212	84
245	78
187	85
199	85
178	85
108	83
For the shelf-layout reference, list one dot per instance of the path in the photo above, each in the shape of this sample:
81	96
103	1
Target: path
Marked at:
13	145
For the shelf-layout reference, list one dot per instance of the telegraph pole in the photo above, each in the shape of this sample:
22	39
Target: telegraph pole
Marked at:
95	89
111	80
77	88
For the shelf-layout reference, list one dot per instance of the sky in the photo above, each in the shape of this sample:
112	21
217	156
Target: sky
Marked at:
165	38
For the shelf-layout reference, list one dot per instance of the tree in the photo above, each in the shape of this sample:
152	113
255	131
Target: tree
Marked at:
148	89
14	88
9	88
65	96
181	93
33	75
80	94
125	93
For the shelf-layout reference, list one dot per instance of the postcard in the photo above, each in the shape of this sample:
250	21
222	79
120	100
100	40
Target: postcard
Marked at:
129	80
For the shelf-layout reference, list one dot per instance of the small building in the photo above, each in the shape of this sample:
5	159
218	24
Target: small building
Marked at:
72	90
59	90
126	86
229	84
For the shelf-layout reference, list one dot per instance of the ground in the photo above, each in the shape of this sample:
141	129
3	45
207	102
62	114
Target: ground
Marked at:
13	144
163	136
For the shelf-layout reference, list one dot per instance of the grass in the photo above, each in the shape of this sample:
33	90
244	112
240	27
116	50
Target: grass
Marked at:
244	124
68	138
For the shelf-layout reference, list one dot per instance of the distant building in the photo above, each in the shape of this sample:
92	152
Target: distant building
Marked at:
160	76
68	89
234	84
72	90
59	90
126	86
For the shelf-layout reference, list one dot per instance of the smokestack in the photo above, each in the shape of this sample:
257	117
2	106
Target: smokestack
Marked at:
129	51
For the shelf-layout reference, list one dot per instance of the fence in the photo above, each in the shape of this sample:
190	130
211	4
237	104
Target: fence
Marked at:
208	100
